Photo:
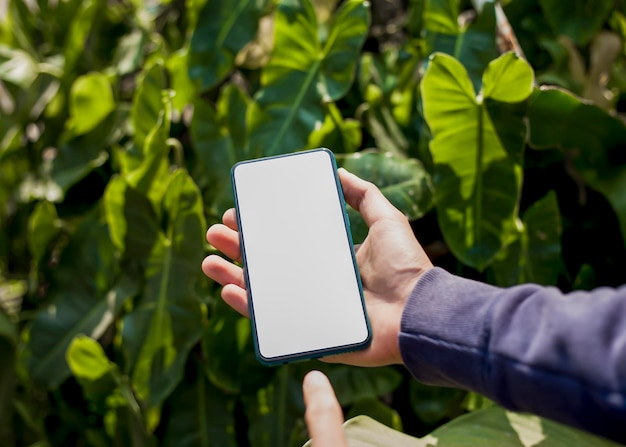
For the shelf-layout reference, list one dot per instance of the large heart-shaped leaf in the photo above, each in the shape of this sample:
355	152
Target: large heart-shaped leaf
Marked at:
166	321
86	295
404	181
224	28
535	256
476	148
308	67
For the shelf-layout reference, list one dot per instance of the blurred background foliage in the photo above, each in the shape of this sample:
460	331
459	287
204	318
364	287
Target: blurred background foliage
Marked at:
498	128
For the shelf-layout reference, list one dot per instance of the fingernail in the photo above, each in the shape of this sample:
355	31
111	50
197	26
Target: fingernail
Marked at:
315	379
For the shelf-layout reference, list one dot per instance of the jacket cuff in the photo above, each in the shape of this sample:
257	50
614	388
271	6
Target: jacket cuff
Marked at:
444	334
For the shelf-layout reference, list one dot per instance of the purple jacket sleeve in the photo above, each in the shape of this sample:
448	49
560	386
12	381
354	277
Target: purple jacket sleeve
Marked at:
530	348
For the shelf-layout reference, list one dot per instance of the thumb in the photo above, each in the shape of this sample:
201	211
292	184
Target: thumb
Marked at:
366	198
323	415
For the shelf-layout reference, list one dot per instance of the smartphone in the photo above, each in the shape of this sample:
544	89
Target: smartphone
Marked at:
304	289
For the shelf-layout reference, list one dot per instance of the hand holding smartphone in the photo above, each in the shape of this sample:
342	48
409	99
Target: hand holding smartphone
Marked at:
304	290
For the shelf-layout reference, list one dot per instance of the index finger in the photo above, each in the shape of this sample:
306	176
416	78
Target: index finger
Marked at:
323	416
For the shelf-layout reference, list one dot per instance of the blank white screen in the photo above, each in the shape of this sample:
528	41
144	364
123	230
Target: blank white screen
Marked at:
302	282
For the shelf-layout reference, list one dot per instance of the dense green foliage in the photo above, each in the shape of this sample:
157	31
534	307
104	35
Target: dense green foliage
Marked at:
120	120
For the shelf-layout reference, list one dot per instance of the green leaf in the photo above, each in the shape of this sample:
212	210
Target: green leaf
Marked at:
43	226
90	102
200	414
80	26
147	170
493	426
82	154
108	392
431	404
404	181
363	431
339	134
441	16
131	220
231	362
274	409
378	411
476	148
8	341
352	384
579	20
86	295
304	71
166	321
536	255
220	140
184	89
147	102
474	47
87	359
223	29
589	135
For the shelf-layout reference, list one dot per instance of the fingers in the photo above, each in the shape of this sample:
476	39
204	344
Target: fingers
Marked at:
366	198
237	298
323	416
225	239
230	219
231	277
222	271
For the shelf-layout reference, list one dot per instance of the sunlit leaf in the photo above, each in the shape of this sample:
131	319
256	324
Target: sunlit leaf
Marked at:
304	71
91	101
87	359
336	133
476	147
